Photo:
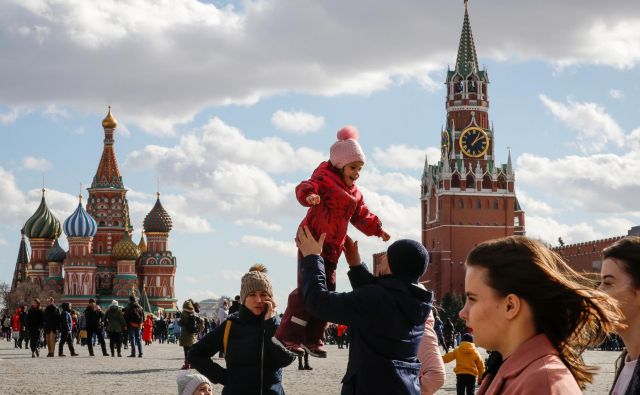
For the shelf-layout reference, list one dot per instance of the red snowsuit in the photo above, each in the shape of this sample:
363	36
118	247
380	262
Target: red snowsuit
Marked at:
147	330
339	205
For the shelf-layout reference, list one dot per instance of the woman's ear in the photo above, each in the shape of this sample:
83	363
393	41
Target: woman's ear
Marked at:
512	306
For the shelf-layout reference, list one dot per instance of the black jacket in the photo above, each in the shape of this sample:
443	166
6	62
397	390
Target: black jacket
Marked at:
35	319
93	318
386	316
251	356
634	384
51	318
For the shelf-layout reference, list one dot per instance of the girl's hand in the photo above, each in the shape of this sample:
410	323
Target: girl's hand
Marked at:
313	199
385	236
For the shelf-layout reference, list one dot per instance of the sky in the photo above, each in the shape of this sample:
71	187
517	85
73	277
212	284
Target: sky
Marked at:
228	105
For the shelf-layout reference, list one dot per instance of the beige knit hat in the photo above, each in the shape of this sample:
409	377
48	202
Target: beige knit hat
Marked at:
255	280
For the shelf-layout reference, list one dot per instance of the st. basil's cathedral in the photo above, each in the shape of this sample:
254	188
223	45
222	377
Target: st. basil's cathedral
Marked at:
102	261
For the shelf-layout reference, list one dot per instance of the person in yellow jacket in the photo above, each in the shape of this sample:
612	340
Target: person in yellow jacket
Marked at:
469	365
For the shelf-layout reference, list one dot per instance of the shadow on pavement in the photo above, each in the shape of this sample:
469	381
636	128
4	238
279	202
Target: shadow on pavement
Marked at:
135	371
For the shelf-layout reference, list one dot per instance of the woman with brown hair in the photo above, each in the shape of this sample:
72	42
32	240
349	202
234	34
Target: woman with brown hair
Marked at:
620	276
526	303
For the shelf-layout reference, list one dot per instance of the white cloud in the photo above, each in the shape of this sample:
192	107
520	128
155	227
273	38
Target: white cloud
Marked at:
600	183
616	94
395	183
595	127
3	242
548	229
190	280
405	157
298	122
533	206
35	163
10	116
286	248
259	224
633	139
241	55
234	275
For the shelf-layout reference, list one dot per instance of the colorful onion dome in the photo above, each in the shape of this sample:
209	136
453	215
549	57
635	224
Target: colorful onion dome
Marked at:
142	245
42	224
109	122
80	223
125	249
55	253
158	220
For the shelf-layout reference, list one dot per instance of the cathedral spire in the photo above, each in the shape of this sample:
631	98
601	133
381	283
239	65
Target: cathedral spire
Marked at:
467	60
20	273
108	175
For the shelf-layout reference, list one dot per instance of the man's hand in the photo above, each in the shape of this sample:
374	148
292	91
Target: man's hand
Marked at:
307	244
313	199
385	236
351	252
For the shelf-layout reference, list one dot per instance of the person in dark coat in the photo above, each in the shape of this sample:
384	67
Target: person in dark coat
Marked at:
51	325
134	315
24	335
66	326
386	315
235	305
253	362
35	320
94	315
115	323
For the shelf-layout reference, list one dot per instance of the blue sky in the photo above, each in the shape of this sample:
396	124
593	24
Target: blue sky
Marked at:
231	104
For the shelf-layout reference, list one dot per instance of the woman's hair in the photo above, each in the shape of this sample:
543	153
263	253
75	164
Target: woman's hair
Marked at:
37	301
565	305
627	251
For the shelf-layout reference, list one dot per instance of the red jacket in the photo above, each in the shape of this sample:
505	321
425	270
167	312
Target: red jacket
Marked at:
15	323
339	205
341	330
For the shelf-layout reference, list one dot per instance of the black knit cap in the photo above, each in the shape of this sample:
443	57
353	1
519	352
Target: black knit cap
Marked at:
408	260
467	337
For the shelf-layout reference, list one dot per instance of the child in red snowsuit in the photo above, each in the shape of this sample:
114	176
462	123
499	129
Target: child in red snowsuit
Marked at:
334	201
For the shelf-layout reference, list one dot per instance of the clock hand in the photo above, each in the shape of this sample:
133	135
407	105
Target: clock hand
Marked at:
477	139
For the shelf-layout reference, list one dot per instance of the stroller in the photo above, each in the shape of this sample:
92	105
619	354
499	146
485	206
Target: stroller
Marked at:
171	338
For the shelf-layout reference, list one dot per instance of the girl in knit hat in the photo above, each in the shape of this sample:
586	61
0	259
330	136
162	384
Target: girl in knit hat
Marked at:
193	384
334	201
253	363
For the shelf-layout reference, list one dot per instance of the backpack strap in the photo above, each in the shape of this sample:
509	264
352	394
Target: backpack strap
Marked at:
225	339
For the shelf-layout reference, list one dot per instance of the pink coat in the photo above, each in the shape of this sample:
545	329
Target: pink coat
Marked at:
534	368
432	373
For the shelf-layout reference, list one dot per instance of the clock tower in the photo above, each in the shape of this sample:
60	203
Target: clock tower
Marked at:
467	197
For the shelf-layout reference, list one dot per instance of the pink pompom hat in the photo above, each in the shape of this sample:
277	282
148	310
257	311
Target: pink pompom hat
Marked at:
346	149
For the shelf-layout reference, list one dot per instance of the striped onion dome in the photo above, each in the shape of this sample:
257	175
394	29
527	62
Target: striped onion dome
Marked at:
125	249
158	220
56	253
42	224
80	223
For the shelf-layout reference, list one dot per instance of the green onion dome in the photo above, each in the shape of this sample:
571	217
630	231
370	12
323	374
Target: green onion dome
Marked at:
158	220
125	249
55	253
42	224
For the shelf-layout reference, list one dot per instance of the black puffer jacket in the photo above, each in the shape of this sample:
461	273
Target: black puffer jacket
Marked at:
386	316
251	356
51	318
35	319
93	318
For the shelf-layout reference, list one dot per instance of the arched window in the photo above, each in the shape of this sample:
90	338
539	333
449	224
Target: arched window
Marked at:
455	181
478	203
471	182
502	182
486	182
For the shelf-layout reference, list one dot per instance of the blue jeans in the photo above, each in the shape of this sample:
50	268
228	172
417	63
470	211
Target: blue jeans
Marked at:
134	336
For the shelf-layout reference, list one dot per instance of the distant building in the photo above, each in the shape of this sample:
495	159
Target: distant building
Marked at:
102	261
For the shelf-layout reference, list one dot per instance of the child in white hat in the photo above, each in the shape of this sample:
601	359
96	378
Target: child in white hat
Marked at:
193	384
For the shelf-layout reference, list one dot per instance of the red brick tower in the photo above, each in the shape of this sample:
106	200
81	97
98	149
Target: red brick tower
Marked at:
467	198
157	265
108	205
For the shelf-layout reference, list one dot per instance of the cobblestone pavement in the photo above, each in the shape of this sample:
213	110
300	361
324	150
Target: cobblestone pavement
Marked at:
156	372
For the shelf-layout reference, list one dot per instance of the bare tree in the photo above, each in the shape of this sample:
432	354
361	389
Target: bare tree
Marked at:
25	292
5	289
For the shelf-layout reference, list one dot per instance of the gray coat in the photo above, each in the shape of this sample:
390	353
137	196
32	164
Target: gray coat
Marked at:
114	319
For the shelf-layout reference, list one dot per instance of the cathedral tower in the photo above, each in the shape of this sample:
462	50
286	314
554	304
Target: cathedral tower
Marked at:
467	198
41	229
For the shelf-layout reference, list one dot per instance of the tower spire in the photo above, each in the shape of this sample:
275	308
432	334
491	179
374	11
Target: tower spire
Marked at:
108	175
467	60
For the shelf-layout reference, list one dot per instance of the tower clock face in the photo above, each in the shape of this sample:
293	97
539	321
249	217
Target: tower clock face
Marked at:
474	142
445	143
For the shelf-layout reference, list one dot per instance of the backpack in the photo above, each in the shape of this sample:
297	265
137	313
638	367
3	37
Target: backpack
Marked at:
198	324
7	322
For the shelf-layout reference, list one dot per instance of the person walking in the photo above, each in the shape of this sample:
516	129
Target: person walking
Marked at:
94	315
115	324
134	315
51	325
469	365
253	362
620	275
235	305
35	321
24	337
526	303
66	325
223	313
188	330
386	315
